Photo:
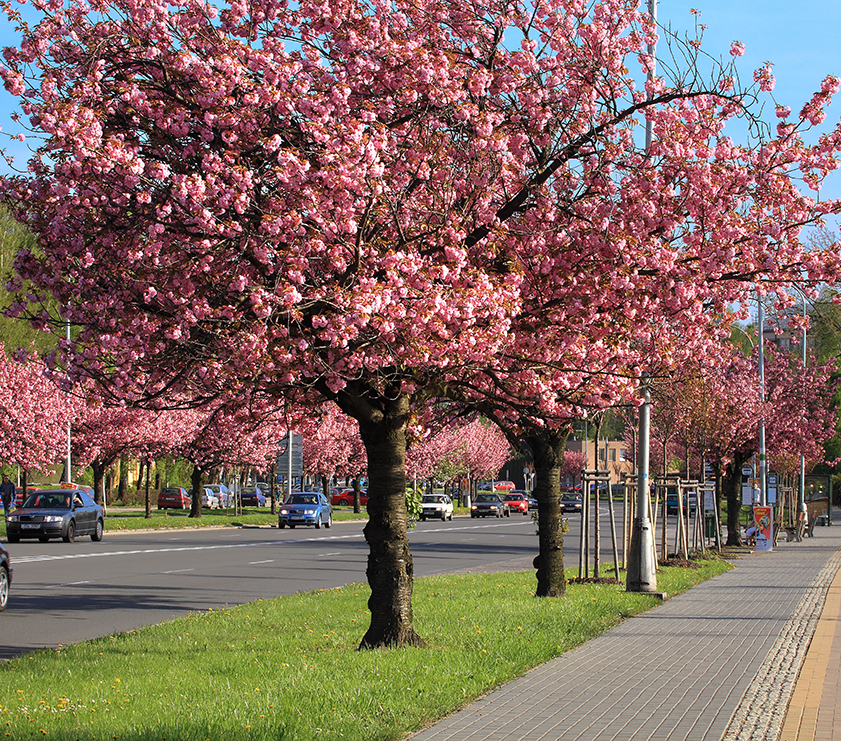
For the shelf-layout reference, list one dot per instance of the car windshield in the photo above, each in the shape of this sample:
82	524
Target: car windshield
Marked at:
302	499
47	501
433	498
514	497
486	498
573	497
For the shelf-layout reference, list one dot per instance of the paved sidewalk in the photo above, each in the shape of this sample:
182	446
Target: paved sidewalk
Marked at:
724	662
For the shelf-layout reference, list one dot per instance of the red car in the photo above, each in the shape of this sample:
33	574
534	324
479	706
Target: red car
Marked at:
344	497
517	502
503	485
173	497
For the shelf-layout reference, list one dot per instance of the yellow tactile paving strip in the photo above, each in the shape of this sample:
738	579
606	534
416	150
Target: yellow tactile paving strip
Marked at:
817	692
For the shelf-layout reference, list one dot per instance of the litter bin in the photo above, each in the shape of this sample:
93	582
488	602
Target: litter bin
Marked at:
709	524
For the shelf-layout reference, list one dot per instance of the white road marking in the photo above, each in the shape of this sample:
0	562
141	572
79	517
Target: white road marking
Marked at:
69	584
215	546
255	563
177	571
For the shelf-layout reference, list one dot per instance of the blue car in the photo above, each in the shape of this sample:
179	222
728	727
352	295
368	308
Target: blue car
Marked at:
305	508
252	497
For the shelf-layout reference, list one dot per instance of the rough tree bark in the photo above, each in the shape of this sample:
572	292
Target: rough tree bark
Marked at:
548	447
383	418
733	492
99	469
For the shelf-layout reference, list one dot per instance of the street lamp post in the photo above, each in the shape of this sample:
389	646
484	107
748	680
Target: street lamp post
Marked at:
763	487
801	494
642	570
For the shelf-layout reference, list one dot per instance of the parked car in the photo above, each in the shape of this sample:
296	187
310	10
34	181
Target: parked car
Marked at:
209	500
671	501
20	495
252	496
489	504
503	485
439	506
305	508
173	497
56	513
344	497
517	502
224	497
5	577
570	501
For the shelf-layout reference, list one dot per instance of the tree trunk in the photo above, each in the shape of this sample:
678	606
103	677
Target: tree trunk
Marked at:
273	490
99	470
196	479
122	487
382	426
357	492
148	477
733	492
140	472
547	447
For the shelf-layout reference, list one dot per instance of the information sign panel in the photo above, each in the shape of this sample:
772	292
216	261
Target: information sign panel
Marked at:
763	520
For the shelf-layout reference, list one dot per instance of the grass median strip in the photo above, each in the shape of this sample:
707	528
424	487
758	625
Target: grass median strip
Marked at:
287	668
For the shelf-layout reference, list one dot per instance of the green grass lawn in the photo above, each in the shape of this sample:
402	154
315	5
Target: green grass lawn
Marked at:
287	669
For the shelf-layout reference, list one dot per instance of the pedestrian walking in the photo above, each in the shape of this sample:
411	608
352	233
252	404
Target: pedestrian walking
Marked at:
7	493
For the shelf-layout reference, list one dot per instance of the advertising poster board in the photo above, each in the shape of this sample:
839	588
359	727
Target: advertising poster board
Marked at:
763	520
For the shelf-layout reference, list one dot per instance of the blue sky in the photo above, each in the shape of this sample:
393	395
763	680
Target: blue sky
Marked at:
799	38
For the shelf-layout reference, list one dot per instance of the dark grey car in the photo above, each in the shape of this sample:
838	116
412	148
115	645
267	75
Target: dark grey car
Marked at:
56	513
489	505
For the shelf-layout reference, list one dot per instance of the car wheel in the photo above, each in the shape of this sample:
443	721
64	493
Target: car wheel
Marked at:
343	503
443	517
96	535
329	522
4	587
318	522
451	516
281	525
13	538
508	513
70	535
